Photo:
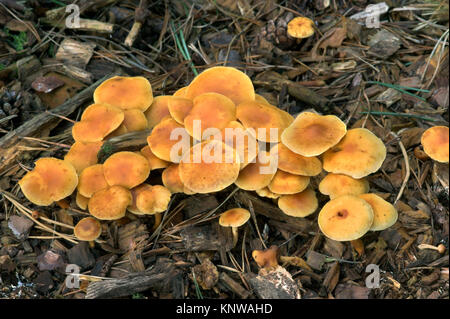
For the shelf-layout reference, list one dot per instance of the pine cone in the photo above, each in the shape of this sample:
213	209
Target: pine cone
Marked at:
275	32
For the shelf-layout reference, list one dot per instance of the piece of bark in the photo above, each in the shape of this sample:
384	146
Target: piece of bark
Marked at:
205	237
299	225
12	144
75	53
274	284
163	277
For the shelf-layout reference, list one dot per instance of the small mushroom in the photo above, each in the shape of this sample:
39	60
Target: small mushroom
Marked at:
267	258
346	218
385	214
299	205
172	181
110	203
51	180
234	218
286	183
206	176
179	108
300	28
435	142
154	161
81	201
312	134
91	180
159	140
227	81
82	155
297	164
126	169
88	229
252	177
125	92
358	154
97	121
158	110
335	185
265	192
212	110
134	120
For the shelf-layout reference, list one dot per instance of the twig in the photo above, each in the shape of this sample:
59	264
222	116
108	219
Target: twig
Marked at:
407	173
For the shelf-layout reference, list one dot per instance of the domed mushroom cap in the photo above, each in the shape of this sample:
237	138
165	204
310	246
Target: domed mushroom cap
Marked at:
82	202
125	92
154	161
258	115
51	180
335	185
358	154
110	203
286	183
257	175
126	169
267	258
88	229
82	155
97	121
134	120
294	163
237	137
92	180
299	205
160	143
171	179
179	108
261	99
435	142
227	81
212	110
158	110
346	218
209	167
312	134
149	200
385	214
234	217
265	192
300	27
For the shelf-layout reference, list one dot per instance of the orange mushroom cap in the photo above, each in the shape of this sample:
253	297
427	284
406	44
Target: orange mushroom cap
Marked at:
267	258
121	130
149	200
181	92
209	166
125	92
227	81
82	202
286	183
385	214
435	142
336	185
51	180
110	203
261	99
346	218
265	192
97	121
179	108
235	217
299	205
212	110
126	169
91	180
171	179
88	229
134	120
160	143
158	110
154	161
256	175
294	163
258	115
300	27
82	155
358	154
312	134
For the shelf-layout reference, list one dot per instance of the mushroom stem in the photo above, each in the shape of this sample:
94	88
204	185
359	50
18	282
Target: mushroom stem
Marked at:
158	219
235	235
440	248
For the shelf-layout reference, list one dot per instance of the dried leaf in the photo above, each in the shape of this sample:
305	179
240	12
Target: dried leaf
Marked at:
295	261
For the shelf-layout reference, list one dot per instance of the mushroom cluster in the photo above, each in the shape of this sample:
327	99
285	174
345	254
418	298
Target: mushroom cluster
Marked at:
211	134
